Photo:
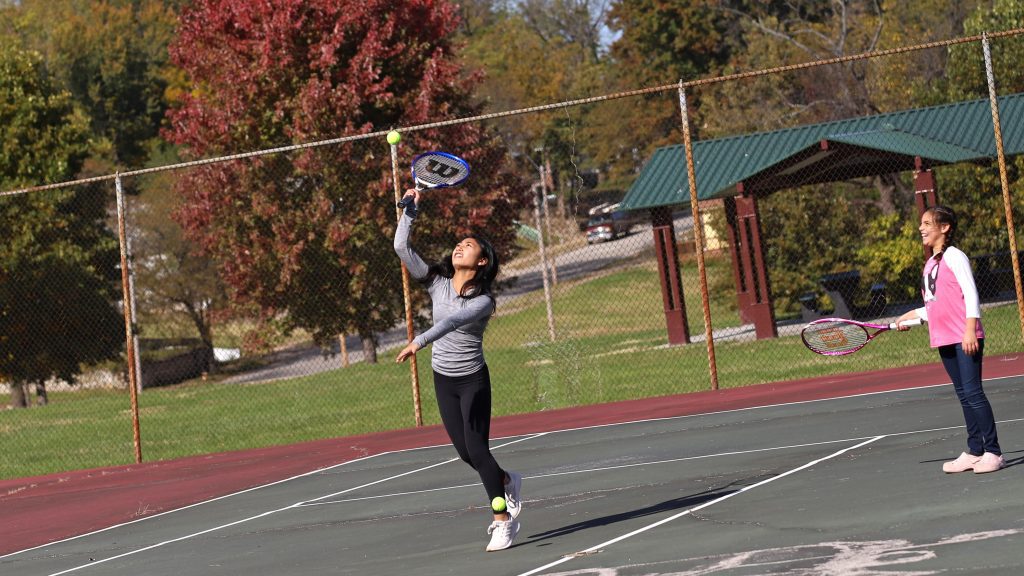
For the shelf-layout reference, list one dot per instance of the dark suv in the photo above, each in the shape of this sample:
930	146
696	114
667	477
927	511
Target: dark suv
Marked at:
609	226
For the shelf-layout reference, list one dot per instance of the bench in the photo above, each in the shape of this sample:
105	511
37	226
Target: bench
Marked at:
844	289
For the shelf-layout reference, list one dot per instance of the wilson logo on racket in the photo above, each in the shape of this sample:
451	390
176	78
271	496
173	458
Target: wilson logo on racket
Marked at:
441	170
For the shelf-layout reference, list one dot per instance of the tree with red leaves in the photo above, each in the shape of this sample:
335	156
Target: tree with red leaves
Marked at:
305	237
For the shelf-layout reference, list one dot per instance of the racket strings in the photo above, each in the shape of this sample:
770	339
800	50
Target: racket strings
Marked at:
835	337
437	169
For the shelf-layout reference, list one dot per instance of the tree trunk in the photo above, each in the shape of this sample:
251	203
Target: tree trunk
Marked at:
201	320
41	398
369	348
886	193
344	350
18	396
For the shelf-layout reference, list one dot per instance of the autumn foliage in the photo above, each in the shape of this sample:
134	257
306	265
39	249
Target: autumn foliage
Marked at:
306	236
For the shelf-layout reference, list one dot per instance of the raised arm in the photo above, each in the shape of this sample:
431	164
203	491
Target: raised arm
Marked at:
417	267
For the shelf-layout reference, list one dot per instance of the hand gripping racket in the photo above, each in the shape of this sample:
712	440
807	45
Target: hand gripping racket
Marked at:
839	336
436	170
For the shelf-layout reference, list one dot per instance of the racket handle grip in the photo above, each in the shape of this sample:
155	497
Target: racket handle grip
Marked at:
911	322
405	202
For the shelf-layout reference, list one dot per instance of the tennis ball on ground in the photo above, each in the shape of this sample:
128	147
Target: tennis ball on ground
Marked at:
394	137
498	504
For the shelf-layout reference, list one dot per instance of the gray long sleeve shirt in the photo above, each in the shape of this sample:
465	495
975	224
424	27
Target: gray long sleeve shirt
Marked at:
459	323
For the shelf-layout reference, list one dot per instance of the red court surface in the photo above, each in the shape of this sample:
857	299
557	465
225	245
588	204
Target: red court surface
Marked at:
44	509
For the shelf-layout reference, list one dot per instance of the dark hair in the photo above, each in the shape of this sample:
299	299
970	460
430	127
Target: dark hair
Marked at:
944	215
482	280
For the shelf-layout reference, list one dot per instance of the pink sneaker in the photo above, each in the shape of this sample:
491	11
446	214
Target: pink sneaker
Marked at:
963	463
989	462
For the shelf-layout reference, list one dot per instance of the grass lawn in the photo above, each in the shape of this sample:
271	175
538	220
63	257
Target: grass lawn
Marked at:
611	345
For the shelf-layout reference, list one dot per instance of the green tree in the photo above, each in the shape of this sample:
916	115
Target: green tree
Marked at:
975	192
658	43
534	53
58	261
111	55
792	221
772	34
173	279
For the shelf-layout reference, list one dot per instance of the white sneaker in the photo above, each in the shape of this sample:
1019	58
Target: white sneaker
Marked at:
513	503
502	534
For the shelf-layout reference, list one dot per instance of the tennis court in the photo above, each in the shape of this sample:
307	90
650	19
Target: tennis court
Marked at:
848	485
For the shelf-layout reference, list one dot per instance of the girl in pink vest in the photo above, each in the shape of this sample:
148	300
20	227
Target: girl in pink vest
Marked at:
953	314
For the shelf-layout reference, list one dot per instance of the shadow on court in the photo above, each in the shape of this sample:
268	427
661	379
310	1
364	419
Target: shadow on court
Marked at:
1010	461
674	505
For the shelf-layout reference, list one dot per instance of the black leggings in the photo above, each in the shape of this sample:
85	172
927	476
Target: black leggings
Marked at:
465	406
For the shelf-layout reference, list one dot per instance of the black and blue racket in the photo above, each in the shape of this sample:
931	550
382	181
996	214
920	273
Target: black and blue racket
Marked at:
436	170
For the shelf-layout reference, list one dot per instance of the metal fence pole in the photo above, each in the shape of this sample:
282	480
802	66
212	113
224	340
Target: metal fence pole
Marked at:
537	191
545	174
698	237
410	331
1007	205
128	297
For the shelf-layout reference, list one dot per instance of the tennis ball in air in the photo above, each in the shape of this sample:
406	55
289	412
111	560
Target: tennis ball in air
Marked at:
498	504
394	137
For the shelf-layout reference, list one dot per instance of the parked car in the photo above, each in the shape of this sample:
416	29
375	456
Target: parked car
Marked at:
609	225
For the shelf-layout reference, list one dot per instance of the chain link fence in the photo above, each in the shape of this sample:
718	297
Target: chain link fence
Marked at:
267	303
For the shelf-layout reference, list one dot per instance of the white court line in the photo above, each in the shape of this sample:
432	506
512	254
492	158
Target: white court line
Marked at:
636	464
779	405
368	484
165	512
746	488
603	469
596	547
166	542
564	559
440	445
264	514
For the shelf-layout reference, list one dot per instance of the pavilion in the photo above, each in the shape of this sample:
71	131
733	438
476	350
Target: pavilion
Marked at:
740	170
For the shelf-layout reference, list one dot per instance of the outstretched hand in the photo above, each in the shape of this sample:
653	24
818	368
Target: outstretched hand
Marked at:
409	350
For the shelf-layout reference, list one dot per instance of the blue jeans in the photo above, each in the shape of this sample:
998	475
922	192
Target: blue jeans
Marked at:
965	371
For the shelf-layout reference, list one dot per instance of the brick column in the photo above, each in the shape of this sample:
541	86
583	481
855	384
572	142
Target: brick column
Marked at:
667	254
753	290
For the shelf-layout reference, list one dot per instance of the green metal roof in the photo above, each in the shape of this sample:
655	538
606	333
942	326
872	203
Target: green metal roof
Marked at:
830	151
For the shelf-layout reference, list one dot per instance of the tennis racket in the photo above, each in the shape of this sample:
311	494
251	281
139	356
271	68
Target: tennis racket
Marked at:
839	336
436	170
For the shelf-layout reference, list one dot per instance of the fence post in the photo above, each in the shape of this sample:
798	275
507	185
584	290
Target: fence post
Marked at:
410	331
537	191
1007	205
698	237
545	174
128	297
